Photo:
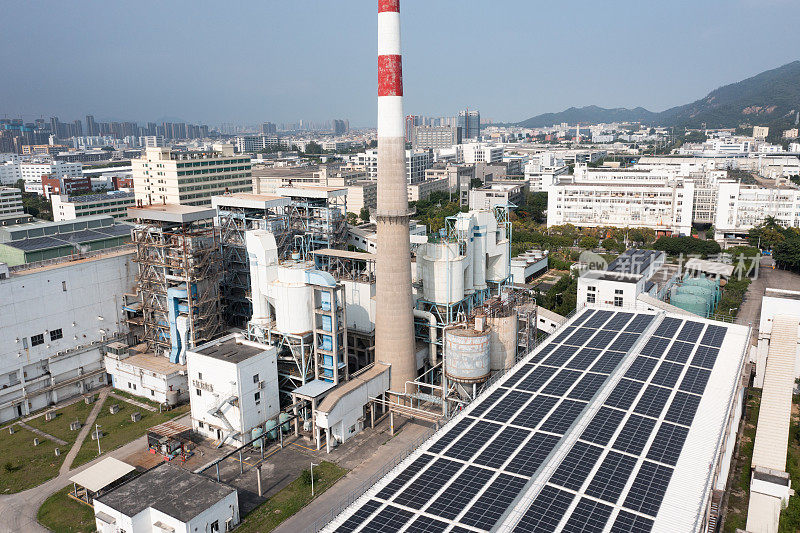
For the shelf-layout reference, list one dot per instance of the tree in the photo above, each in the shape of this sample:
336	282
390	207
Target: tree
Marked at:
364	214
475	183
313	148
588	243
686	246
352	219
610	244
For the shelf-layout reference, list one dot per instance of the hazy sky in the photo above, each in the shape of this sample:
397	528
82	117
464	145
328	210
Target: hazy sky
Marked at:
247	62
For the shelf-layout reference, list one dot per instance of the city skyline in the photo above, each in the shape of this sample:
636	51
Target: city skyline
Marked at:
208	81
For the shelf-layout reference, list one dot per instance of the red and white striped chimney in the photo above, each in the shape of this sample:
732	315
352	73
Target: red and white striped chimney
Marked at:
394	321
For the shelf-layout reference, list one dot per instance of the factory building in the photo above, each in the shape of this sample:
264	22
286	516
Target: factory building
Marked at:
664	206
57	319
168	498
625	421
233	387
176	304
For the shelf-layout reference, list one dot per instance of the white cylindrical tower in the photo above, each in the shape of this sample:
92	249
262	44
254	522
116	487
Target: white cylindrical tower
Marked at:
394	323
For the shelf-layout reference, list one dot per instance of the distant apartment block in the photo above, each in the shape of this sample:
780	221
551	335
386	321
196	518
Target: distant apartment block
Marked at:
436	137
760	133
495	194
417	162
423	189
470	123
255	143
189	178
740	207
114	204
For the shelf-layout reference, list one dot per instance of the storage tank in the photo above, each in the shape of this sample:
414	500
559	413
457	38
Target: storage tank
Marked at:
293	299
440	267
284	418
172	398
466	355
503	340
256	433
697	290
690	302
269	427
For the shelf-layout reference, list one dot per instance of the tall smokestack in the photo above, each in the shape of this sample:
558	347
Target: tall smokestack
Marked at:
394	322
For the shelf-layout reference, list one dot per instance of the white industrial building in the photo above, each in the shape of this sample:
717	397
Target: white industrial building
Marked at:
741	207
497	194
622	199
528	265
57	319
145	375
32	172
234	388
189	178
10	202
114	203
417	162
775	302
168	499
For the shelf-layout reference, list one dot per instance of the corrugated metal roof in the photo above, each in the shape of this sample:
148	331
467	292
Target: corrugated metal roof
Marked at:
772	432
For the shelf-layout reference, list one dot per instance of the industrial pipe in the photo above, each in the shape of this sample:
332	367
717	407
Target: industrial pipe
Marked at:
432	331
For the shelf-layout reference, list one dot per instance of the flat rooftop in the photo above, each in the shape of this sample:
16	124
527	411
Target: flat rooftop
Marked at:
229	350
249	201
309	191
179	214
614	423
345	254
169	489
634	261
153	363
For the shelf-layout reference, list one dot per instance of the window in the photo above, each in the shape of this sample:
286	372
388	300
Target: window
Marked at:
199	392
64	286
617	291
152	392
257	398
36	340
215	526
618	301
255	378
200	376
200	425
56	334
590	298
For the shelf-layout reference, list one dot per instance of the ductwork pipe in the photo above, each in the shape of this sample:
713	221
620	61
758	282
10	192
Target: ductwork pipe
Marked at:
432	328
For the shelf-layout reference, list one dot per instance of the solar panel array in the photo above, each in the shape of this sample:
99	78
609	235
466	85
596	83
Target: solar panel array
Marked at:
620	467
617	469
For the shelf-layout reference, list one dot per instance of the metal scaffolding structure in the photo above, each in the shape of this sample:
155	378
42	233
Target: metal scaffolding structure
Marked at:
183	259
302	219
358	267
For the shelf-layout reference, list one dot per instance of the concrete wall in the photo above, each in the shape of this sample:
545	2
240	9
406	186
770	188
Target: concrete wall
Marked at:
606	291
225	379
82	300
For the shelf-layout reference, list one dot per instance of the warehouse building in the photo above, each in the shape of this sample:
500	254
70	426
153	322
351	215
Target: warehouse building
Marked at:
620	421
39	241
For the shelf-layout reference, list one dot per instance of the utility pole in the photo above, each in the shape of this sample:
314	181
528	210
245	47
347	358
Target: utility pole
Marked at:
97	435
312	478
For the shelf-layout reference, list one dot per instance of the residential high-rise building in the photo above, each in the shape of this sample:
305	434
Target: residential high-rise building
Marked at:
470	123
189	178
411	122
269	128
339	127
92	129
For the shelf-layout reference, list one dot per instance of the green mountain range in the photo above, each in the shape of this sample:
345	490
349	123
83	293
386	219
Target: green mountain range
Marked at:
771	98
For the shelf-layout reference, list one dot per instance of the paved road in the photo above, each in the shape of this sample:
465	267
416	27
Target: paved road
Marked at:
750	310
411	431
18	511
88	426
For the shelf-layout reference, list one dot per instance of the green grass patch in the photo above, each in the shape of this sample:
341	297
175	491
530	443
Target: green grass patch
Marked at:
130	396
117	429
23	465
59	426
291	499
739	496
63	514
790	517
